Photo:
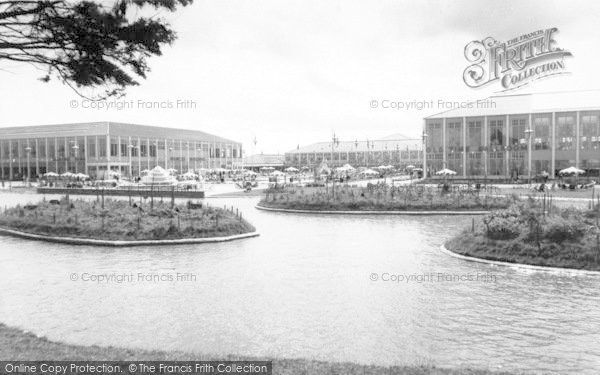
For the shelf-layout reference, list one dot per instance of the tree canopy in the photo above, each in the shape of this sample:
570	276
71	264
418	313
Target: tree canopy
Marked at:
86	44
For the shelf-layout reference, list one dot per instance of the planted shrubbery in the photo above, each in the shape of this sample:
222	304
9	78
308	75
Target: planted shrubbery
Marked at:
380	197
121	221
533	232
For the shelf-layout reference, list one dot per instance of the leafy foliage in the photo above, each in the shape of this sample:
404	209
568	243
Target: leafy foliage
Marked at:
85	43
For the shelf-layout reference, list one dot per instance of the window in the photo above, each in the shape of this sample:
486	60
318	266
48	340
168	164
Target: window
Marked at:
565	132
91	149
474	135
114	149
496	135
102	147
590	132
517	134
541	133
454	136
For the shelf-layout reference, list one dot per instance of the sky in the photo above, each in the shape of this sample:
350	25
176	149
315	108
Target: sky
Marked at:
290	73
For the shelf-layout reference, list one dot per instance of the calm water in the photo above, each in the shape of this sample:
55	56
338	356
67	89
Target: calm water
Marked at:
303	289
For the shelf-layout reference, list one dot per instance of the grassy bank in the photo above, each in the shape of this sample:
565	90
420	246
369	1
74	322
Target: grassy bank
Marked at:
121	220
18	345
536	233
379	197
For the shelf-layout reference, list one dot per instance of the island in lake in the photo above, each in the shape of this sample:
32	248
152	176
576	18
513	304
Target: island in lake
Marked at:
120	220
535	232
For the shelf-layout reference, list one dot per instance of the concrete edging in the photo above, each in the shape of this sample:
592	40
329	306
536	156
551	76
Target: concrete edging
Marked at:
518	265
328	212
122	243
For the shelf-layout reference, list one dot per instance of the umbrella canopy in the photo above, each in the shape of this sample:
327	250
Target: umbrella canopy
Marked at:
113	173
410	166
370	172
418	169
81	175
267	169
250	173
305	168
67	175
545	174
345	168
51	174
190	175
291	169
277	173
445	172
572	170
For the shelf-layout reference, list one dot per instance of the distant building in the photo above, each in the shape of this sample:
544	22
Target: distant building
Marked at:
94	147
396	149
255	162
517	135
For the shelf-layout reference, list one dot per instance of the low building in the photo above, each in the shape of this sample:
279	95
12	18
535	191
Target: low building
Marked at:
94	147
396	149
516	136
258	161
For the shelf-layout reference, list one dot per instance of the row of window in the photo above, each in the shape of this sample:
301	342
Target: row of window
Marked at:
60	148
519	132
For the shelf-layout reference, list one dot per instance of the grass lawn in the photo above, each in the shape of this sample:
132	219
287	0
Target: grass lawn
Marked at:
119	220
568	238
379	197
17	345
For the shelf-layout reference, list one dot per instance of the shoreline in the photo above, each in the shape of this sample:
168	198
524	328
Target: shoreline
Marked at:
123	243
19	345
523	266
373	212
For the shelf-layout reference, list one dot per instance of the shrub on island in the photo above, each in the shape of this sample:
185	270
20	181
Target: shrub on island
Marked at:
120	220
380	197
532	232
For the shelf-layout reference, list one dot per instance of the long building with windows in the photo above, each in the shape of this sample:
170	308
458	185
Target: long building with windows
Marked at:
90	148
395	149
515	136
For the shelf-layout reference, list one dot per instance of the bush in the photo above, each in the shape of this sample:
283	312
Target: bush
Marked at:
559	229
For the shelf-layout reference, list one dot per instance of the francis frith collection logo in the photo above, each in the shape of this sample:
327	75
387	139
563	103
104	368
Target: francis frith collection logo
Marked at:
514	63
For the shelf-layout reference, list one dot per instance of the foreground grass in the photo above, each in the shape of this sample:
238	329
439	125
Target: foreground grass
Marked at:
567	238
18	345
120	220
379	197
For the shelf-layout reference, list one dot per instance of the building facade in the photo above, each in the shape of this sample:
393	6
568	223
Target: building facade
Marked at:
515	136
91	148
258	161
396	150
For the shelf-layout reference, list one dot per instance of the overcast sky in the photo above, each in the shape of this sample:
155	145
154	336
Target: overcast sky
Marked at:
291	72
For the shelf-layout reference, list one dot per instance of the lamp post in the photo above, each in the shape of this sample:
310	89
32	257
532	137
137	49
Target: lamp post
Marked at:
28	151
334	143
132	147
75	148
528	133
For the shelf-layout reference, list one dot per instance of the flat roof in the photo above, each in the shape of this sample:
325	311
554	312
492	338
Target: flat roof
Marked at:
107	128
515	104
